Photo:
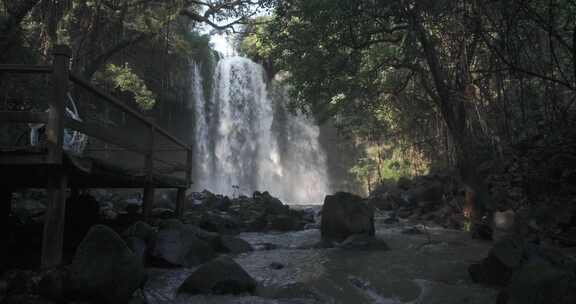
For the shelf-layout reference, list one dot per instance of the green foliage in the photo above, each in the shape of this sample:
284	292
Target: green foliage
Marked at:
380	163
126	80
364	171
253	43
452	81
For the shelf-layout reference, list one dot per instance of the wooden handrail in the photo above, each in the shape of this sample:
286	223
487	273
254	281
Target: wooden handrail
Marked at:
23	116
90	129
109	135
56	121
25	68
116	102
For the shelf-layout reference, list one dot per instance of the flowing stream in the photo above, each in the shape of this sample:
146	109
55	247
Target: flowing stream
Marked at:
413	271
246	140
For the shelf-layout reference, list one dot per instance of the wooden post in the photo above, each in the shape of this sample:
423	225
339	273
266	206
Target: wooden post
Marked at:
6	209
189	167
180	199
148	200
53	238
55	125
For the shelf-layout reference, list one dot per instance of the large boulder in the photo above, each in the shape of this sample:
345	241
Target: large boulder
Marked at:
345	214
180	248
139	239
217	221
219	276
104	269
429	192
82	212
538	282
504	258
140	230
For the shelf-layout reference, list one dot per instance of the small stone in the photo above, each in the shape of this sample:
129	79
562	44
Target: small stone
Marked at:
276	266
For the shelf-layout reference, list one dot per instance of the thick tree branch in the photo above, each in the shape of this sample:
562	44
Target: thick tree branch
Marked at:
106	55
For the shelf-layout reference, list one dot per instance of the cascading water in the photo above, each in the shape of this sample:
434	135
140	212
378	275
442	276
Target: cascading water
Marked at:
247	141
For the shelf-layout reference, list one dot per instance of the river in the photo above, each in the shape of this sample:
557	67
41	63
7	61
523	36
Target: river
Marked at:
418	268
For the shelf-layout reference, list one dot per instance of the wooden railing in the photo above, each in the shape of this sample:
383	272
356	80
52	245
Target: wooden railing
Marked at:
56	120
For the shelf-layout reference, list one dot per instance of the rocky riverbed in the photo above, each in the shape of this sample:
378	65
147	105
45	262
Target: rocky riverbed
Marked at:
419	267
259	250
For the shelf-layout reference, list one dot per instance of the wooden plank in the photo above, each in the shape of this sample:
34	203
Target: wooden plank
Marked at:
148	200
53	237
5	210
26	69
22	159
189	167
23	149
23	117
121	105
55	124
115	136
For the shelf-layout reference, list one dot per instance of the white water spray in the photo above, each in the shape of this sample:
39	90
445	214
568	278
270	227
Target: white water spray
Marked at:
246	141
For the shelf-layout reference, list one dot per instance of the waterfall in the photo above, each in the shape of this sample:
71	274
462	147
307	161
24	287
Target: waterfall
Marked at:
246	141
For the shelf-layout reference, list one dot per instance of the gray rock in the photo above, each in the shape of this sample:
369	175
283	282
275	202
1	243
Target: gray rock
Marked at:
430	192
219	276
170	224
104	269
345	214
29	208
162	213
509	251
391	220
141	231
284	223
504	258
139	248
404	213
537	282
234	245
412	231
363	242
53	283
221	222
212	238
276	266
20	282
180	247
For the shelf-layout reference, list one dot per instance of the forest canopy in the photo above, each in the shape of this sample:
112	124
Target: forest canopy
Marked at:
454	83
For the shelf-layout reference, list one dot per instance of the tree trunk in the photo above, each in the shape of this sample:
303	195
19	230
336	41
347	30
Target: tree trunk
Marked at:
452	107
